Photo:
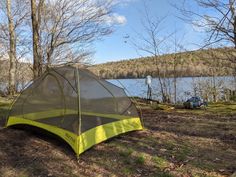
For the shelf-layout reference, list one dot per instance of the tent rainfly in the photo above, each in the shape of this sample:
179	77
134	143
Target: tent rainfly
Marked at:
77	106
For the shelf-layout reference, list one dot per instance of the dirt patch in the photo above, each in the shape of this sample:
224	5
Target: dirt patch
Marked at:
173	144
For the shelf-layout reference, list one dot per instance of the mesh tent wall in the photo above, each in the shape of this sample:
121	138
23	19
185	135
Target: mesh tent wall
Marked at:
77	106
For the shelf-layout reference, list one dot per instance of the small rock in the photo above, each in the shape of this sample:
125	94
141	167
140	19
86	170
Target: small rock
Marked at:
163	150
216	159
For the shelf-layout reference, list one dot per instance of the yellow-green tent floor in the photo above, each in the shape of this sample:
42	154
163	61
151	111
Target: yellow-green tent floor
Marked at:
88	137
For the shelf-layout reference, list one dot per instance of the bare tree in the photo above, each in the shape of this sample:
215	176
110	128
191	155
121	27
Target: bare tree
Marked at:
218	19
11	36
151	42
36	21
12	52
63	30
177	64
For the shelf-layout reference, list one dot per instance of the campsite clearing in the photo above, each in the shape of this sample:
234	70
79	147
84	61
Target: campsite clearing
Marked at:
175	143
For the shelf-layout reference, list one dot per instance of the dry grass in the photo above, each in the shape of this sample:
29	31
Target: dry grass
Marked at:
175	143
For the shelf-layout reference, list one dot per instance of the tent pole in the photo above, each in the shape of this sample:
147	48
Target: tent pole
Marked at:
79	108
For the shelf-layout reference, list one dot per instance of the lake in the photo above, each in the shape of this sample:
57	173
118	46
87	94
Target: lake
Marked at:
185	86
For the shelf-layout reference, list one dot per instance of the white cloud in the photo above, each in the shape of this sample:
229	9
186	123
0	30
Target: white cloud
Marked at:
116	19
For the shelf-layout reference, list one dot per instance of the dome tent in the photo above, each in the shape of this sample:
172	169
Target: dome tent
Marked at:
77	106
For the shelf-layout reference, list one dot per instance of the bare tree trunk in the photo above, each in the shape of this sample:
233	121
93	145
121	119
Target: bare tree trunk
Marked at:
160	80
232	9
164	99
234	26
12	52
235	32
175	79
40	53
165	85
175	71
175	89
214	89
234	58
37	64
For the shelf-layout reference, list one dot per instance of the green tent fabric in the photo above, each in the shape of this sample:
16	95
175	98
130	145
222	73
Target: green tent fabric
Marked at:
77	106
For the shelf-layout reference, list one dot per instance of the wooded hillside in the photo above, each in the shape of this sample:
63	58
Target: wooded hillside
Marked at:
194	63
24	71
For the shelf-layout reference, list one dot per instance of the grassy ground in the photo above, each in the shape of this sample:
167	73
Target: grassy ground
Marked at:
176	142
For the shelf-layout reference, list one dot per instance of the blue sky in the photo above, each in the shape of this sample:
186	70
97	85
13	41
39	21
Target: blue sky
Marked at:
113	47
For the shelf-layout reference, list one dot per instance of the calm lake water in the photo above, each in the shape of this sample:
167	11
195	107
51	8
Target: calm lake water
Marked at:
185	86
